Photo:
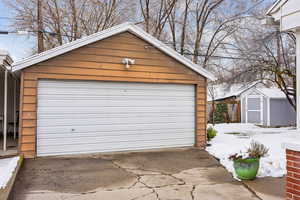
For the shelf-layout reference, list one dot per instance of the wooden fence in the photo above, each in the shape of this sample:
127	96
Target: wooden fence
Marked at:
233	114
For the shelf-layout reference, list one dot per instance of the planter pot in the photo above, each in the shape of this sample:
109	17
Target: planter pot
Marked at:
246	169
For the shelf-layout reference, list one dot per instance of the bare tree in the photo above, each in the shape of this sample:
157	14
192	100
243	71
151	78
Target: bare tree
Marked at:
178	23
199	28
280	67
155	15
267	55
68	20
203	10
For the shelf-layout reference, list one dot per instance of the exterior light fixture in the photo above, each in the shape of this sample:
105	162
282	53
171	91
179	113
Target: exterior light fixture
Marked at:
127	62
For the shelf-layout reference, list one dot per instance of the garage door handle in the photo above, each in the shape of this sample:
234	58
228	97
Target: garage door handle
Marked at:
72	129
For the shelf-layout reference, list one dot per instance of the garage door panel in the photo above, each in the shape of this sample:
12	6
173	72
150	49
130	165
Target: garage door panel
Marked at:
111	139
111	92
111	98
104	110
114	121
110	147
116	90
173	131
108	85
110	115
114	103
87	117
113	127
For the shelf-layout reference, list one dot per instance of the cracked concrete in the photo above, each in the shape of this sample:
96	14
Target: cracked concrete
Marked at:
222	191
157	181
173	174
268	188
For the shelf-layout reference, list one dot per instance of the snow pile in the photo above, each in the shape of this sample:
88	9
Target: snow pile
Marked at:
224	145
7	167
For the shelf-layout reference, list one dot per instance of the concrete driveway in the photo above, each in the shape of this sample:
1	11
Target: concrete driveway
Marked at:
173	174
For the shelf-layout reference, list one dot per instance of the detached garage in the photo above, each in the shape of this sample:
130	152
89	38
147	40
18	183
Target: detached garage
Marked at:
116	90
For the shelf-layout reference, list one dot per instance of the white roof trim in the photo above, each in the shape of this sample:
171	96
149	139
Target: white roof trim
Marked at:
264	93
105	34
276	6
249	90
239	92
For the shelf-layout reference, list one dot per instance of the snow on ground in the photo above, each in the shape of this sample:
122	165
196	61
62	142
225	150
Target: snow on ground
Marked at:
7	167
224	145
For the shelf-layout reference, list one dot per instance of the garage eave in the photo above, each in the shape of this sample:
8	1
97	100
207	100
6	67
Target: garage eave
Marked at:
17	66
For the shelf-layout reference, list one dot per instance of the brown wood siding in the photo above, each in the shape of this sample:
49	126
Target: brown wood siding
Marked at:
101	61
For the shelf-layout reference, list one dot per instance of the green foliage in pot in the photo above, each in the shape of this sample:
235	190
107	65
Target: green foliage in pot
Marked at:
257	150
246	164
211	133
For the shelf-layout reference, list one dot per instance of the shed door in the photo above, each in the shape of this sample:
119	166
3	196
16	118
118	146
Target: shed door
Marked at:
254	107
86	117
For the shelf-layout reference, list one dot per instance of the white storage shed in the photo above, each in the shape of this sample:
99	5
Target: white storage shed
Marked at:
266	106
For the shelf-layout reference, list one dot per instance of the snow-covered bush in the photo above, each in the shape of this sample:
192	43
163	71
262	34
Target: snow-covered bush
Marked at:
255	150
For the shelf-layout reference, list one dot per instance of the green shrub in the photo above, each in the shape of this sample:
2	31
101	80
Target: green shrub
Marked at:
211	133
219	115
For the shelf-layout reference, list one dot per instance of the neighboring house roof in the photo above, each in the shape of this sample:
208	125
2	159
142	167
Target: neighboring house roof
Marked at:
223	91
276	6
130	27
273	93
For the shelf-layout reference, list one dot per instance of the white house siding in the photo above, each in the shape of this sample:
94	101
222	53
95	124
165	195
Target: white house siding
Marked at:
288	15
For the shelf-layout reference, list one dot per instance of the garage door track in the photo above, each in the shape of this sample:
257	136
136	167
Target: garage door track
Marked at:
187	174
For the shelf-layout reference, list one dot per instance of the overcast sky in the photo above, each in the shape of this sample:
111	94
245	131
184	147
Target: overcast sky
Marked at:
19	46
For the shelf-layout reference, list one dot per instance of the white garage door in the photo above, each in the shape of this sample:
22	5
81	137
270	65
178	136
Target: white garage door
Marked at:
86	116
